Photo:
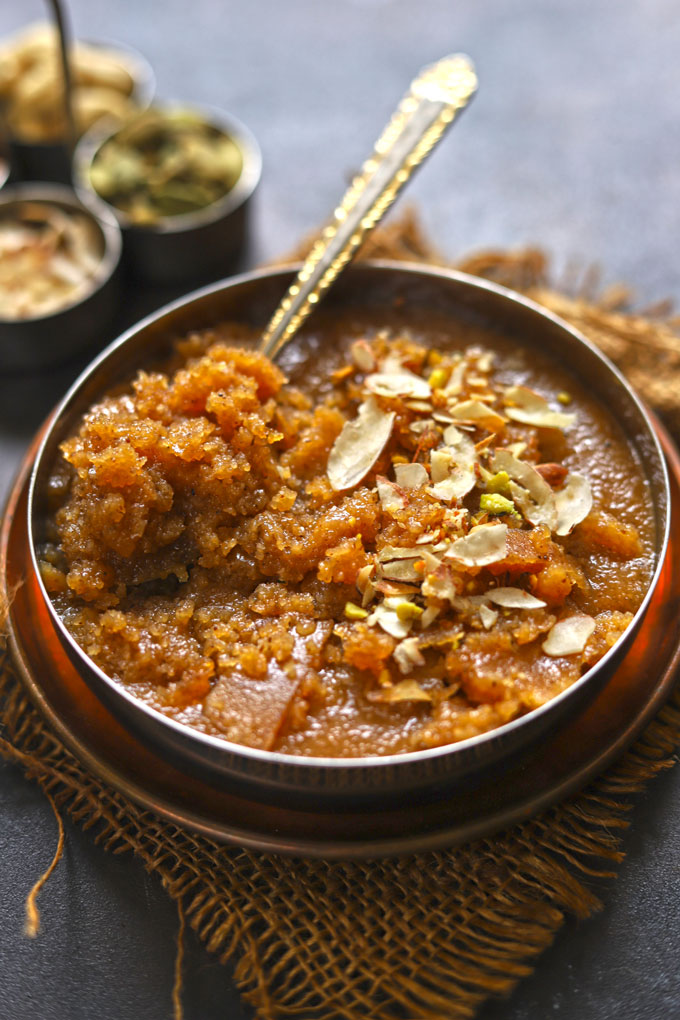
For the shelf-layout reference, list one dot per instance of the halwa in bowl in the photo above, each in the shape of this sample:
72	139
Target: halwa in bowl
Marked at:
407	551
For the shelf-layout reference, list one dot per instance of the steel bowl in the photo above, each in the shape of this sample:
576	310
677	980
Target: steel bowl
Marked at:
190	247
42	341
280	778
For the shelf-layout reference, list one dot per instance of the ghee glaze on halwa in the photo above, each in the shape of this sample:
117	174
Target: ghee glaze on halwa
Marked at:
422	535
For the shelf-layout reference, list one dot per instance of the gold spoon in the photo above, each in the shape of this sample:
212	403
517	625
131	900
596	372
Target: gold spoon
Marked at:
439	93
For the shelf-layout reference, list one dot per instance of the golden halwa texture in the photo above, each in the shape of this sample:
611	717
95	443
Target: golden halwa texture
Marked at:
211	547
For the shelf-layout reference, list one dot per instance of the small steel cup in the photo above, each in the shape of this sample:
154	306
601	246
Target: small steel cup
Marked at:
39	342
51	161
192	246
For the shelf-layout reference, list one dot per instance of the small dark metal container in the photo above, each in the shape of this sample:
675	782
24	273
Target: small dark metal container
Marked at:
37	343
51	161
287	779
193	246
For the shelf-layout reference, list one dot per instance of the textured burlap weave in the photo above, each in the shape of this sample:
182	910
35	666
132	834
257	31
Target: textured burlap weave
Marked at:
419	938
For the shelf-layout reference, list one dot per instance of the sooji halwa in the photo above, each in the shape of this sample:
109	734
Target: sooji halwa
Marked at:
424	534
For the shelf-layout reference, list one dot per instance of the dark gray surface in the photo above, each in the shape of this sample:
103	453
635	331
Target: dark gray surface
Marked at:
572	143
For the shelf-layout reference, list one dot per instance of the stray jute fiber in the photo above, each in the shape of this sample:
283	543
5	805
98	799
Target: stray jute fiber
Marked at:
430	937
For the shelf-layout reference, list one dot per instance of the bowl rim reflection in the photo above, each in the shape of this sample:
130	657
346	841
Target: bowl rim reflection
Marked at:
298	762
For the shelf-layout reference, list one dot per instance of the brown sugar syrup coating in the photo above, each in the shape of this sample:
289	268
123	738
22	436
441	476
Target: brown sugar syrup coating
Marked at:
205	551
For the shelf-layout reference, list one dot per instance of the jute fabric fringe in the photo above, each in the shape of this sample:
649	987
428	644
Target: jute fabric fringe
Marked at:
417	938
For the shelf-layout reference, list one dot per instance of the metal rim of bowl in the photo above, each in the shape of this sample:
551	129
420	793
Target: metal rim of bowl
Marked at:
5	163
251	170
143	89
61	196
373	762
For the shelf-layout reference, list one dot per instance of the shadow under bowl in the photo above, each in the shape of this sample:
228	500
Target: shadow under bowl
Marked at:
272	777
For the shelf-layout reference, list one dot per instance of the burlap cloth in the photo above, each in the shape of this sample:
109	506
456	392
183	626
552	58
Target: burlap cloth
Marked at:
428	937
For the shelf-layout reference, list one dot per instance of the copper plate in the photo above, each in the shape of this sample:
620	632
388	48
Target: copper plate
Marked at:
459	811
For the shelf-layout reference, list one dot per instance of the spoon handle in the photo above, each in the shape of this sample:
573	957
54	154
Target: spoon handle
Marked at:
63	36
431	104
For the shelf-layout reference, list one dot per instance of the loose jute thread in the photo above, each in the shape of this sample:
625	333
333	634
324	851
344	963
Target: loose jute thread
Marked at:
429	937
32	923
178	1012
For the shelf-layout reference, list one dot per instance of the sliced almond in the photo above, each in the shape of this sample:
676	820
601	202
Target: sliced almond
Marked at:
531	492
405	690
513	598
390	495
453	436
574	501
480	414
400	383
455	383
488	616
426	538
569	636
429	616
364	576
440	584
411	476
362	356
516	449
359	445
391	588
441	463
523	404
421	425
399	552
453	466
401	570
455	519
431	562
407	655
390	622
455	487
485	361
442	416
484	544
